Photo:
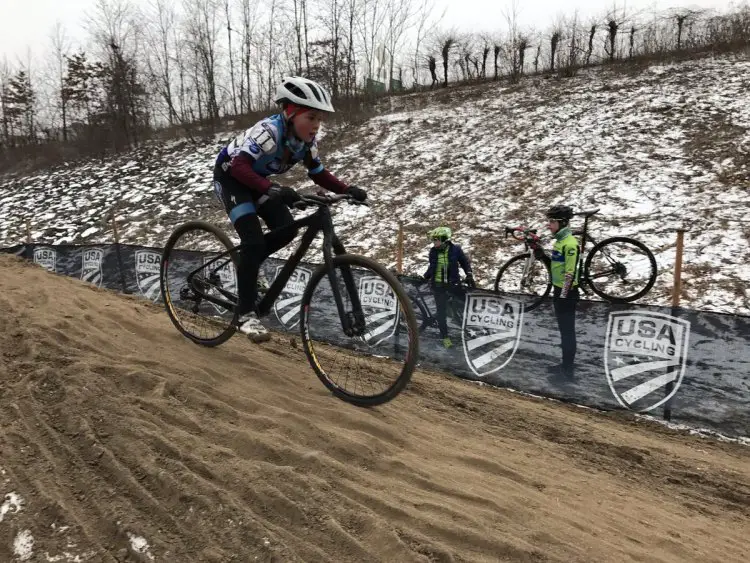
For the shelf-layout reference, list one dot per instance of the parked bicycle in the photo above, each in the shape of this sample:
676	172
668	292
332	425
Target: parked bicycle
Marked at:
425	306
352	297
618	269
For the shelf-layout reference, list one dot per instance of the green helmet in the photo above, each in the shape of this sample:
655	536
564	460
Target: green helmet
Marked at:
441	233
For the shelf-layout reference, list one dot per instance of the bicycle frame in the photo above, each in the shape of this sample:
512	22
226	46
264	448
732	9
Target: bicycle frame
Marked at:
316	222
585	236
431	319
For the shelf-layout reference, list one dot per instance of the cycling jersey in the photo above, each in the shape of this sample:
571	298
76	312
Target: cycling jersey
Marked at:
564	258
268	148
272	149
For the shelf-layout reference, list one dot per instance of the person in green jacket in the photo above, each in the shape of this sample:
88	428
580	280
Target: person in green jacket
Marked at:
564	270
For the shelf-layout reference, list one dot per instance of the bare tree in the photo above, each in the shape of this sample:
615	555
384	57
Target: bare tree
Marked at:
184	97
432	64
271	27
112	21
298	6
60	51
590	49
351	78
464	46
231	56
553	42
425	24
511	13
370	25
486	42
399	20
306	29
569	60
683	16
612	25
445	50
249	23
333	13
615	20
496	51
160	36
523	44
203	33
121	110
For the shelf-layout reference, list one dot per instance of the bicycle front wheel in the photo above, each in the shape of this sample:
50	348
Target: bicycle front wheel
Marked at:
527	277
382	342
620	269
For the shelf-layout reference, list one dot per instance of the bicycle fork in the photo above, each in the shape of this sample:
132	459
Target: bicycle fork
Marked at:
527	270
353	322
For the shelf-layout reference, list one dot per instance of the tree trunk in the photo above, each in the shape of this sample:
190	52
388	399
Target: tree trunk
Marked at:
270	53
231	60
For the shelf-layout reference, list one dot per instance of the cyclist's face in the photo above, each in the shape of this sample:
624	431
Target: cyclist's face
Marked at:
436	242
307	124
553	225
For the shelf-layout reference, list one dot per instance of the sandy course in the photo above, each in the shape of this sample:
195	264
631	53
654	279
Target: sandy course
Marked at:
122	441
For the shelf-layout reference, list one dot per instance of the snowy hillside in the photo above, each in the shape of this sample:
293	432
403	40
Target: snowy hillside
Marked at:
655	147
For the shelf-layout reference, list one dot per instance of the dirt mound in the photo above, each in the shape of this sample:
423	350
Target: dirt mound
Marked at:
123	441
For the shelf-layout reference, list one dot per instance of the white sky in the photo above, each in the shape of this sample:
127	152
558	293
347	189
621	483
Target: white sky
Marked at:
27	23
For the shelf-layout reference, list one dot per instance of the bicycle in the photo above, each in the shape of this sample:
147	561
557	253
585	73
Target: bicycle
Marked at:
331	300
425	317
534	278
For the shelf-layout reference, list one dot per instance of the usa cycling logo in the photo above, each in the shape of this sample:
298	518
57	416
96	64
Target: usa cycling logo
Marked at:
645	351
381	309
147	266
227	277
46	258
287	306
91	266
491	332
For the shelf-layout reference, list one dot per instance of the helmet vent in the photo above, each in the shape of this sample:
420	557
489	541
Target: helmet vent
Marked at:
296	90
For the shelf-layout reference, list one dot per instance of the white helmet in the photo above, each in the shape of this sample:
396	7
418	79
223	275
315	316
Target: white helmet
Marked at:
303	92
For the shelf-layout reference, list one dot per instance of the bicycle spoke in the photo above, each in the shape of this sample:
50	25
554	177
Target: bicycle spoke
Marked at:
621	270
193	275
528	280
380	346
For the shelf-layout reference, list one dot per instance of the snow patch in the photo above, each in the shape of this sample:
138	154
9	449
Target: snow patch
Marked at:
140	545
12	504
23	545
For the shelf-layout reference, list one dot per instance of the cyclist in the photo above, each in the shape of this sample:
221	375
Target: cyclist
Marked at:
564	269
445	257
272	146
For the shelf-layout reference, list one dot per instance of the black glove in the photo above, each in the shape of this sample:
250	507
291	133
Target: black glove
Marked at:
470	281
357	193
422	281
288	195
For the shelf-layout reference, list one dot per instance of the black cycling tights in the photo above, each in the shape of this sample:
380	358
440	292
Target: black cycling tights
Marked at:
257	247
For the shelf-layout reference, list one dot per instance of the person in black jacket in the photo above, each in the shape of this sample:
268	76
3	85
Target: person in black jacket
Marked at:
445	258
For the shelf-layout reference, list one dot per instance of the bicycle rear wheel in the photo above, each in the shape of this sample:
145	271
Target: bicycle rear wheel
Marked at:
191	251
620	269
383	348
533	283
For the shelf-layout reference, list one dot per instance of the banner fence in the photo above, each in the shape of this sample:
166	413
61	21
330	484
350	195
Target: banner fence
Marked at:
691	367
